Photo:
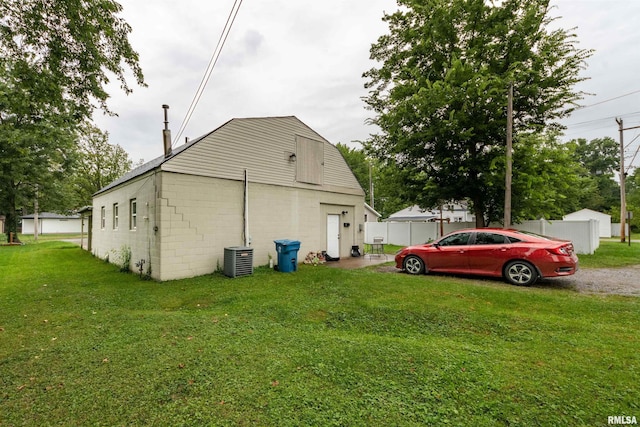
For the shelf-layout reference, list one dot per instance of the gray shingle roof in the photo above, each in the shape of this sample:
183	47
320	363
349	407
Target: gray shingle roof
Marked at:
149	166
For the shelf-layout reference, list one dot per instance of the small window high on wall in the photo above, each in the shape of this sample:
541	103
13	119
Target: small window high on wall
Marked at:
309	160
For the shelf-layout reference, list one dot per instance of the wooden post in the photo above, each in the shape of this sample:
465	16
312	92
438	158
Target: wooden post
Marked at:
623	202
509	172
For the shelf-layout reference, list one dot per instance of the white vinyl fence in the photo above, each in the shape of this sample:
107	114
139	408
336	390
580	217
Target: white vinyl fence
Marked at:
584	234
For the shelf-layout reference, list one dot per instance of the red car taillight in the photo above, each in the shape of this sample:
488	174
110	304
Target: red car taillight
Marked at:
565	250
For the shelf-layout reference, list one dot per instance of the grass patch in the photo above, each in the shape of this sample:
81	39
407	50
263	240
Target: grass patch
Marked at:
29	239
612	254
83	344
389	249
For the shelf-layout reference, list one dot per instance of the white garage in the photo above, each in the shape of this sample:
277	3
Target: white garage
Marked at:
604	220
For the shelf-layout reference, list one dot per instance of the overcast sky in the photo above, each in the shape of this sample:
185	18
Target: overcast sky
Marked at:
306	58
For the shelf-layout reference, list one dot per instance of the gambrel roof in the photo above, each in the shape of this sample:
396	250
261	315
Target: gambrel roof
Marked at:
276	150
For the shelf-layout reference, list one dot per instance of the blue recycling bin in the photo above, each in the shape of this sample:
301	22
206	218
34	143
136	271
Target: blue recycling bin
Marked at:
287	255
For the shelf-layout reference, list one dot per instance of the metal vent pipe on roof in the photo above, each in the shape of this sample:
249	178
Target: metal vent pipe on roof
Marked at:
166	133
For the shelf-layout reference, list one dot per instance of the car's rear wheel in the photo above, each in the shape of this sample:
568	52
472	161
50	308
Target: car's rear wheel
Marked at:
413	264
520	273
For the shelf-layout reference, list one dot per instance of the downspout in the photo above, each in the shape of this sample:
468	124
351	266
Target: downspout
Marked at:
157	241
247	240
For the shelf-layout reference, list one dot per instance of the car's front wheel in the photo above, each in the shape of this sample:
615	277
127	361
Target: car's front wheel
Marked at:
413	264
520	273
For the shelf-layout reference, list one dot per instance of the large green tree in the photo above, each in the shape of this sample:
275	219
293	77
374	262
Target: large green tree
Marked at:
440	92
633	200
77	45
56	59
548	182
600	159
37	145
387	180
359	164
99	163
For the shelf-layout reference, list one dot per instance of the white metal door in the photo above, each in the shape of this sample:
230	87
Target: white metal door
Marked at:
333	236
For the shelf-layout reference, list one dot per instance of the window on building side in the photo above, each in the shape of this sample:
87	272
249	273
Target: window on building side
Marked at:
133	214
103	217
115	216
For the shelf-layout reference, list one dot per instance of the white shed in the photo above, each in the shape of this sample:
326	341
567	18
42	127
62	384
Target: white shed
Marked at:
370	214
412	213
51	223
604	220
449	212
247	183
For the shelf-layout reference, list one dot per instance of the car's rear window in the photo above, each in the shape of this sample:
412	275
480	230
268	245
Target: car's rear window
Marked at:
529	233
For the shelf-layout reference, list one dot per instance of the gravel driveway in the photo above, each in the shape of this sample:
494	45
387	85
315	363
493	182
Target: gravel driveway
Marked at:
613	281
618	281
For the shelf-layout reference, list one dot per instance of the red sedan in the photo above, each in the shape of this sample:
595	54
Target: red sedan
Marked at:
520	257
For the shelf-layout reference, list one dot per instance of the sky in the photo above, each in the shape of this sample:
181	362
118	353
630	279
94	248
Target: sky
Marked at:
306	58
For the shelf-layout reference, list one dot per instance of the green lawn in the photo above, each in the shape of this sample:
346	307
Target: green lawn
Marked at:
612	253
30	238
82	344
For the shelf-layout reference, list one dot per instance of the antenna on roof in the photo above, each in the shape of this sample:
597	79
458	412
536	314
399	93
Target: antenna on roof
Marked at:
166	133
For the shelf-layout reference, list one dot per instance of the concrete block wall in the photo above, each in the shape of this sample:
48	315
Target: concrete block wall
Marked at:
112	243
200	216
186	221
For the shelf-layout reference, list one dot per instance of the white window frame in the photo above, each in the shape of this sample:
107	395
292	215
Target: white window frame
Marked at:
103	218
133	214
115	216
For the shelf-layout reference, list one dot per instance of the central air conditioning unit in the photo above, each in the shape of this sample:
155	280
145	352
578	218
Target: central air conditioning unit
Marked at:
238	261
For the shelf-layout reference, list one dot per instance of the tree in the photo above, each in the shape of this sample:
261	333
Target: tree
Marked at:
548	182
359	165
440	94
633	200
36	144
99	163
600	156
74	44
56	58
600	159
387	180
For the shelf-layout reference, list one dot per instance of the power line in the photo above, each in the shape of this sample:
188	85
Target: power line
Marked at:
593	125
607	100
632	160
587	122
630	165
629	144
212	63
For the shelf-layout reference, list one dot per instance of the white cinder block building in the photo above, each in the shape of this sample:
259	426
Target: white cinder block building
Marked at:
249	182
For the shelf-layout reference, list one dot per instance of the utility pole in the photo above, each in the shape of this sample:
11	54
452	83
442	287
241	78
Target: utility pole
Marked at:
623	201
509	171
623	176
371	200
